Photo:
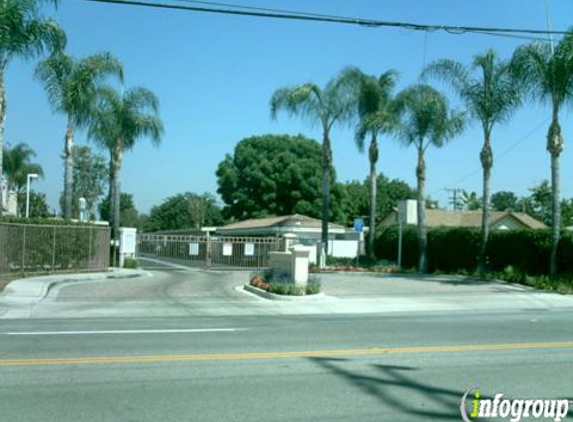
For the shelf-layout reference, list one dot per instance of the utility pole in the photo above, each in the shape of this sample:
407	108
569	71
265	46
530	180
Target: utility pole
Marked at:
454	198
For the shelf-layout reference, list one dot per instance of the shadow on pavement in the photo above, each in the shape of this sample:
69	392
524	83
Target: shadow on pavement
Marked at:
394	387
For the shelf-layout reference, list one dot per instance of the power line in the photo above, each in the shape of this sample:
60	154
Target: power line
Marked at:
500	155
230	9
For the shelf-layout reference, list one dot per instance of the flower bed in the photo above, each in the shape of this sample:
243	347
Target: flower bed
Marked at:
266	281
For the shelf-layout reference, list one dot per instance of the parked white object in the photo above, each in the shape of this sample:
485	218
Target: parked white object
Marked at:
127	243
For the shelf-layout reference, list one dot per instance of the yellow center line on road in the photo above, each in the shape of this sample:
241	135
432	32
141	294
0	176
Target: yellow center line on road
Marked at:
286	355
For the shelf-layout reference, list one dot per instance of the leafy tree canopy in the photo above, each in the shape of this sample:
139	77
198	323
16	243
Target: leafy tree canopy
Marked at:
38	205
90	175
273	175
184	210
356	198
129	217
504	201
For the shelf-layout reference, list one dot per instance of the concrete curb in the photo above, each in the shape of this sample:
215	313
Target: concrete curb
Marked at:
34	289
271	296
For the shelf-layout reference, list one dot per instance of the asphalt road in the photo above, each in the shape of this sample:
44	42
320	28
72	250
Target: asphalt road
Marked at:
279	368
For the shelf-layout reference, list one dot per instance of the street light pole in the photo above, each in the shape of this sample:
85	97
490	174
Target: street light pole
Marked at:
29	178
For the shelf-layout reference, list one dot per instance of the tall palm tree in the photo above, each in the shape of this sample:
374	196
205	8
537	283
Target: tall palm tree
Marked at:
548	76
426	120
333	104
18	164
119	121
71	86
24	34
377	114
491	97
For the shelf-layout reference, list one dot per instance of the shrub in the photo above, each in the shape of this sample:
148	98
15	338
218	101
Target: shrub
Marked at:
457	249
386	247
130	263
453	249
287	289
312	288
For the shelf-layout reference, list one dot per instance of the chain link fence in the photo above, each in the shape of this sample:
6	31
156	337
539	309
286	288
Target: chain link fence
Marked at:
29	248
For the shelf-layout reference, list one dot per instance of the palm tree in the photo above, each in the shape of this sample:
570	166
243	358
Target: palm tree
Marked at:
25	34
333	104
547	73
18	164
119	121
426	121
71	86
491	98
377	114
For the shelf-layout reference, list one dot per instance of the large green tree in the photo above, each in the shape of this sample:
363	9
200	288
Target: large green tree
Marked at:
90	175
38	205
24	34
548	75
426	120
71	86
377	115
491	97
504	201
128	214
333	104
184	210
272	175
355	198
119	121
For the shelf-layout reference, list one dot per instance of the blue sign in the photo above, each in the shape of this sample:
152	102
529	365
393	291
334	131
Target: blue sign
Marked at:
358	225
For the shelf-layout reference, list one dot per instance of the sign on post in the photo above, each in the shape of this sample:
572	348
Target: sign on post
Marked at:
194	249
227	249
358	225
249	249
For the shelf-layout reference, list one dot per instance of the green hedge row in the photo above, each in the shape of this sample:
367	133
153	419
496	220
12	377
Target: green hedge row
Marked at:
455	249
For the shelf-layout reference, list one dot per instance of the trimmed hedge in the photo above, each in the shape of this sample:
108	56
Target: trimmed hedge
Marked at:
457	249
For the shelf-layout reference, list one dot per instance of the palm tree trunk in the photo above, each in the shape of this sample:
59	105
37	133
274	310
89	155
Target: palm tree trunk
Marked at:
555	147
2	125
422	235
118	154
326	168
373	155
486	157
69	170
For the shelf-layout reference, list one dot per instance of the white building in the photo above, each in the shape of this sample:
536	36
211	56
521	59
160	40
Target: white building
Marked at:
9	199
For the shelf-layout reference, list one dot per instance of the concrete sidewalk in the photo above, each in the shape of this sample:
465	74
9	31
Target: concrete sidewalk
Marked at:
34	289
199	293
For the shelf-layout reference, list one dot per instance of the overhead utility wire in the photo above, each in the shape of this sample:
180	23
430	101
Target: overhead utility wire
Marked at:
500	155
335	19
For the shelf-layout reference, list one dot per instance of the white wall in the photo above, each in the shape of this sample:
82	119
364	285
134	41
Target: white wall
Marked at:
343	248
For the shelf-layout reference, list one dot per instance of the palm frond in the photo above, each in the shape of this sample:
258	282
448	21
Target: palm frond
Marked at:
304	100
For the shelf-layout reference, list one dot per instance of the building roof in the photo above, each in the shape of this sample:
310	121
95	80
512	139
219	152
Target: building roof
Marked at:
448	218
288	220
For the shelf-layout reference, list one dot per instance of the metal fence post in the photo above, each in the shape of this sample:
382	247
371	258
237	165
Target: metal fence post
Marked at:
24	250
54	248
90	248
208	250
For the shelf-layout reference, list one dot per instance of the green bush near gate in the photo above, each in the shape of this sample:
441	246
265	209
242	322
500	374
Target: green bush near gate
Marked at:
455	250
130	263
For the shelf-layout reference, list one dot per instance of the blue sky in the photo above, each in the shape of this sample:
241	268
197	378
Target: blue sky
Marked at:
215	74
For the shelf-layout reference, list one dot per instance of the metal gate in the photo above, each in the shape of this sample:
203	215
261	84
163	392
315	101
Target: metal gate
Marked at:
210	252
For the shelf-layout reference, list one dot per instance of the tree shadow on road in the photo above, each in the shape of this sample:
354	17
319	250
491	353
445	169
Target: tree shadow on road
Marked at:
394	387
